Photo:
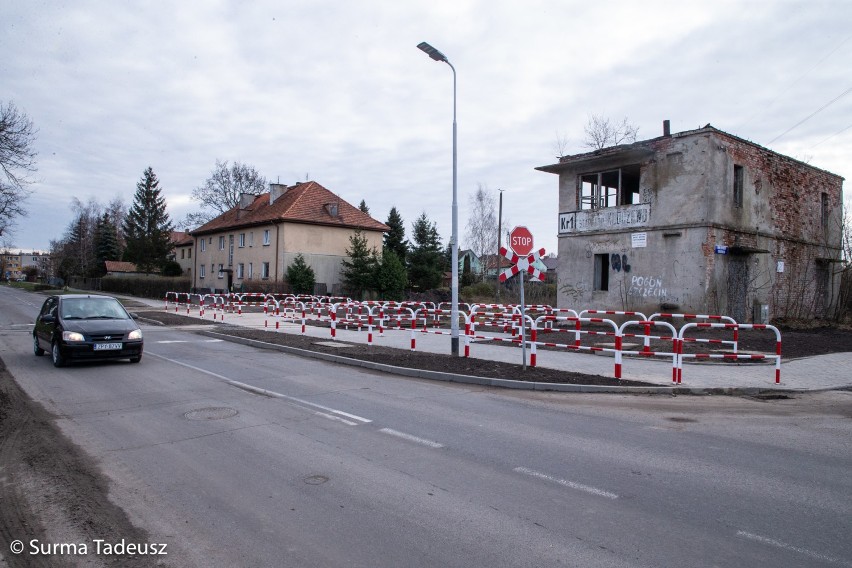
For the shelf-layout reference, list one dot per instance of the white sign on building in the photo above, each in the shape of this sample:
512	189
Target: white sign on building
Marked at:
606	219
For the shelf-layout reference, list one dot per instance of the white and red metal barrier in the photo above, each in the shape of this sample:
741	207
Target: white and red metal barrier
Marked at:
646	350
712	319
729	356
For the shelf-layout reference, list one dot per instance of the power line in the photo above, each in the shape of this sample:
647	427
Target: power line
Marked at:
841	131
817	111
786	89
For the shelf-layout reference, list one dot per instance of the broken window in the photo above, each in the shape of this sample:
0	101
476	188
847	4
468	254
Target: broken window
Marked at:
601	272
738	186
610	188
824	210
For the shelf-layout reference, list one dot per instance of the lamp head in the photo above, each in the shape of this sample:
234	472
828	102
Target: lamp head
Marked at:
431	51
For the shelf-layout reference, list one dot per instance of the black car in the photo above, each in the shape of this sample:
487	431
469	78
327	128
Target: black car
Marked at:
84	328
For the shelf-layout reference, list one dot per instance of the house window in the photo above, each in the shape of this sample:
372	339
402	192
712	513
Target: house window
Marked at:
230	251
182	252
251	239
738	186
221	270
250	271
202	271
824	210
242	240
240	269
266	237
188	253
601	272
609	188
264	271
203	245
222	243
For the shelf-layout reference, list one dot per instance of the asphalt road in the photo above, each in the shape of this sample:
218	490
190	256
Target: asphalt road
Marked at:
243	457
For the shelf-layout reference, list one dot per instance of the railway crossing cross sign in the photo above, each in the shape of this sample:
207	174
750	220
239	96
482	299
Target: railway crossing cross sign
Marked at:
521	241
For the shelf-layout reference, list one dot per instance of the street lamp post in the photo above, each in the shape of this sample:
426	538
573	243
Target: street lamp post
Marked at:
454	284
499	242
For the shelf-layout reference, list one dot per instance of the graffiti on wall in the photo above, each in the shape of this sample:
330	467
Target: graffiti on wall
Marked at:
619	263
646	287
575	291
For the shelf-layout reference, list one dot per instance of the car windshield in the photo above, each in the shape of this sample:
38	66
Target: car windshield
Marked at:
92	308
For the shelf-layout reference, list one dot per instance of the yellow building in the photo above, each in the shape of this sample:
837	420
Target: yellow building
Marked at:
251	246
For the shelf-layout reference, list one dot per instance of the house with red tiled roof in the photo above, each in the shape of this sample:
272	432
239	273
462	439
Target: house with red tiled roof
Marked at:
182	251
251	245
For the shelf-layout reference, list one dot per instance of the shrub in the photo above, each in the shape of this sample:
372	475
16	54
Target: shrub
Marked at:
150	287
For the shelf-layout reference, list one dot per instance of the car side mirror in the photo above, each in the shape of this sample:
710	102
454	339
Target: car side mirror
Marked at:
48	318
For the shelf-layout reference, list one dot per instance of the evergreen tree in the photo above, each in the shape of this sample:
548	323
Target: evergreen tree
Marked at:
301	276
363	207
106	242
147	226
357	271
425	261
395	237
391	277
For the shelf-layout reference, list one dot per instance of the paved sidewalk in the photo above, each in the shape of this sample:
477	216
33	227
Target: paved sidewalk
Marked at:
812	373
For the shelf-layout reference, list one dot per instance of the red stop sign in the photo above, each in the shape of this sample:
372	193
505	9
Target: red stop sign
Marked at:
521	241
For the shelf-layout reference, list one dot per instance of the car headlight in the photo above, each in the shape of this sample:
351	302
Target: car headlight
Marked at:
72	336
135	334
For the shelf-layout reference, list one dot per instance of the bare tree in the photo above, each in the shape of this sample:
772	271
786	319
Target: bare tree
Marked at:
560	145
221	192
602	132
17	160
481	232
844	301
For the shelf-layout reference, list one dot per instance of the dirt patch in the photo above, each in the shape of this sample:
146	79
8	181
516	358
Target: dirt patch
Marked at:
52	492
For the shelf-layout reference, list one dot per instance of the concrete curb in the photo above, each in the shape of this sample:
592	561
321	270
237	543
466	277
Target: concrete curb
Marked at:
502	383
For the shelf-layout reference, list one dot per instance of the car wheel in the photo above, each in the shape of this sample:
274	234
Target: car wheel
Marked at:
36	349
135	359
58	359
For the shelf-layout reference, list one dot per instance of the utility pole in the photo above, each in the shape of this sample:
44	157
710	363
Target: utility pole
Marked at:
499	243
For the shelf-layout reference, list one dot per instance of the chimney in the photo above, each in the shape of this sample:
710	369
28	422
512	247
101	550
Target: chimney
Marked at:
276	190
246	199
667	128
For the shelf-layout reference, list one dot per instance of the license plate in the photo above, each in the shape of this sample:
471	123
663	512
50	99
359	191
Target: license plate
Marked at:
107	346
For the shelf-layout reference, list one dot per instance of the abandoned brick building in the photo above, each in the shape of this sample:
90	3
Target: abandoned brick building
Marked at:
698	222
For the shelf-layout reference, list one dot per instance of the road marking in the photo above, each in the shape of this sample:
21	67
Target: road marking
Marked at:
790	547
567	483
187	341
411	438
330	413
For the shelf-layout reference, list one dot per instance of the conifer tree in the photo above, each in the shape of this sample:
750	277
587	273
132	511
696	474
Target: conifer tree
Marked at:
301	276
147	226
357	270
425	261
363	207
391	277
395	238
106	241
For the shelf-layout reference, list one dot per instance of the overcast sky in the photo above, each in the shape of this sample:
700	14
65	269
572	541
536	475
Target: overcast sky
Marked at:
337	92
